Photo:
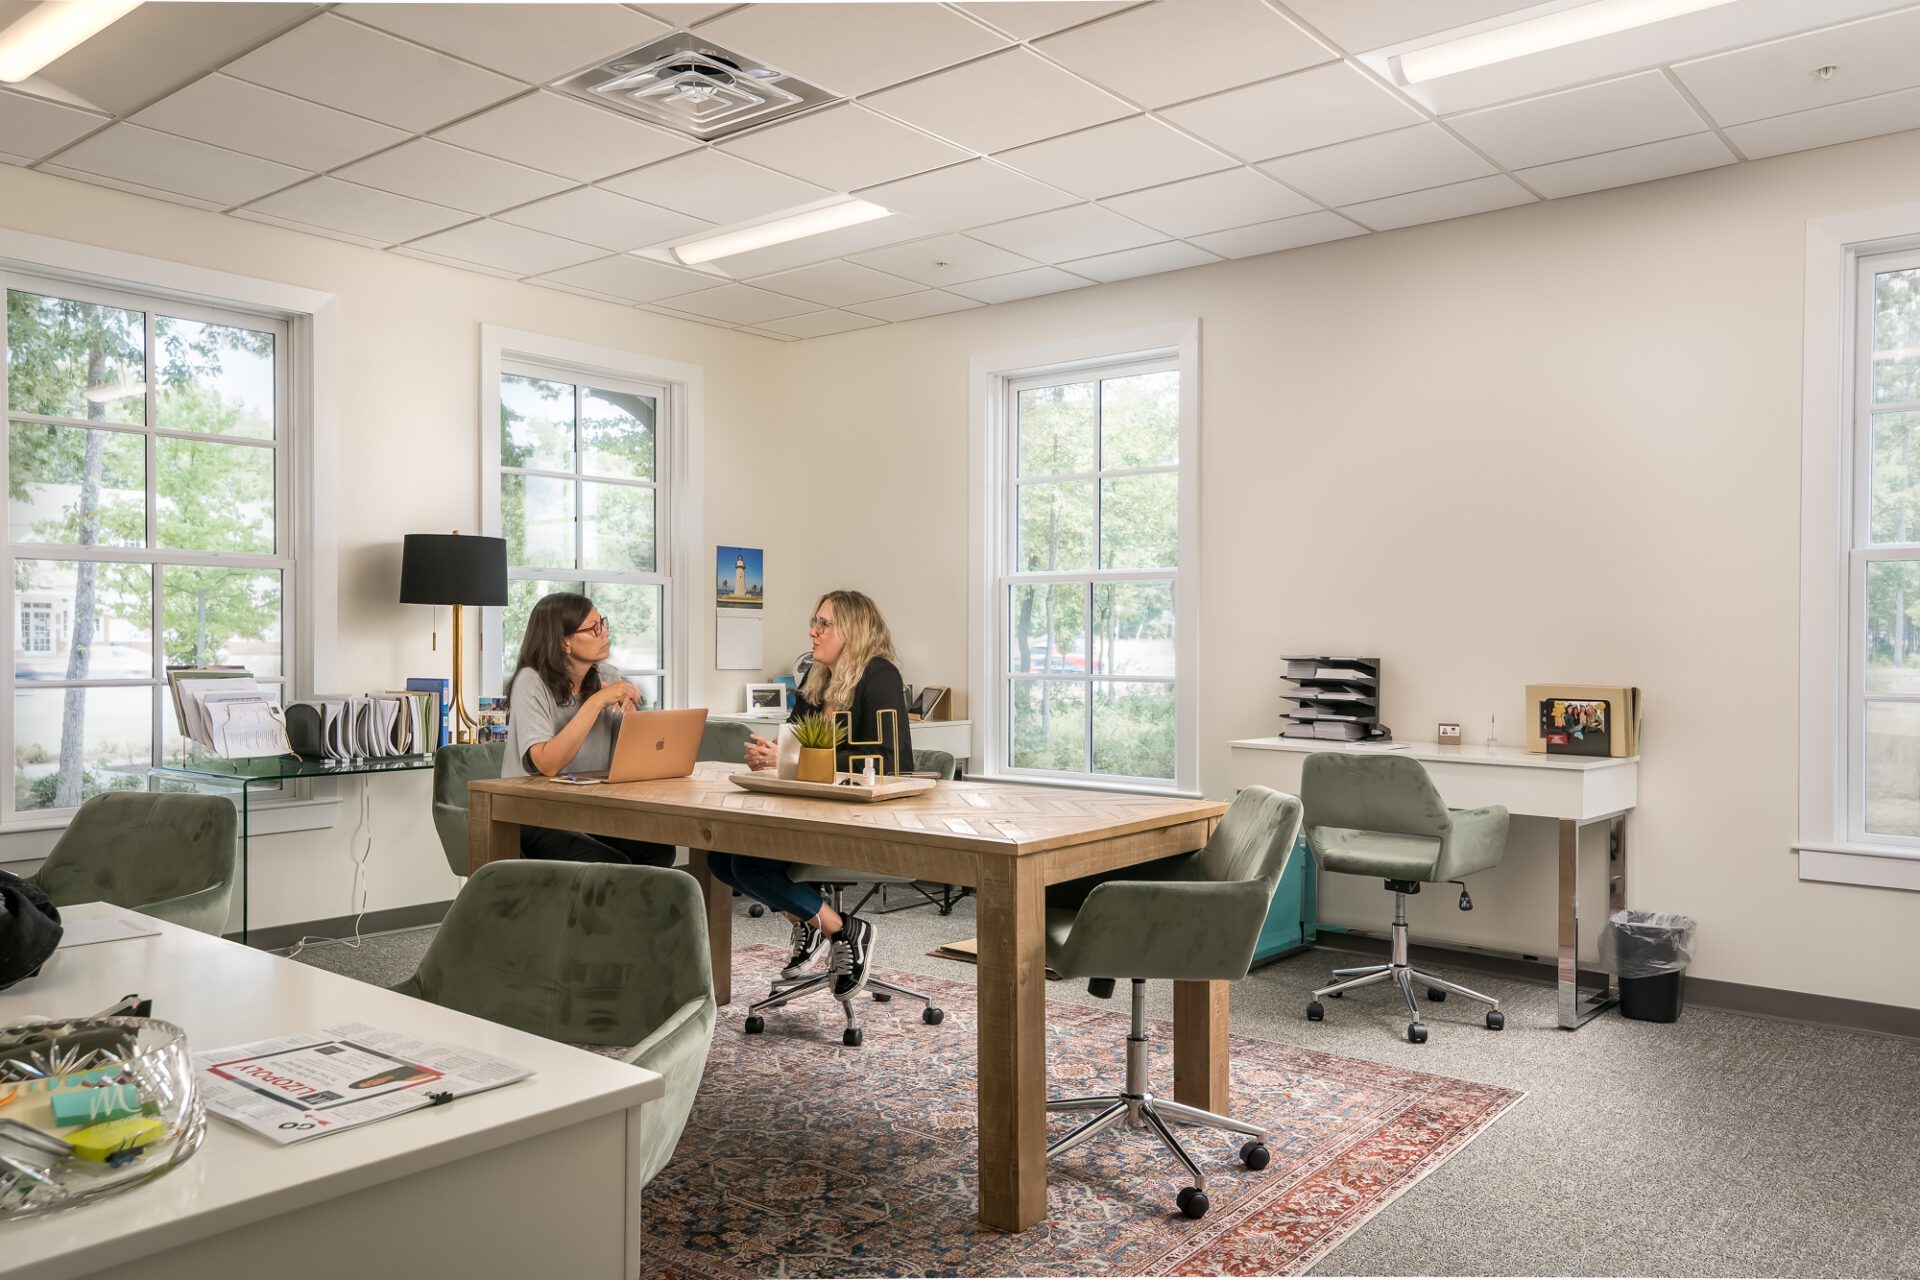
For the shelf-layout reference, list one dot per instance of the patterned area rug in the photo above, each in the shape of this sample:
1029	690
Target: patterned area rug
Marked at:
807	1158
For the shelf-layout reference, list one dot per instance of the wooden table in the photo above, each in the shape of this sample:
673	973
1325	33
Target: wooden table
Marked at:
1006	841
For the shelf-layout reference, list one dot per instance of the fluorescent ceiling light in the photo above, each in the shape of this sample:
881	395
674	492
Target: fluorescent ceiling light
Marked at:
801	225
52	28
121	391
1537	35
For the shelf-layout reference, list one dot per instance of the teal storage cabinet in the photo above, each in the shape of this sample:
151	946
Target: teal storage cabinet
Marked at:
1293	920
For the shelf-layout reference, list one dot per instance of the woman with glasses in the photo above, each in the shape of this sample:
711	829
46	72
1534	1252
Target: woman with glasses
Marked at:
854	672
563	714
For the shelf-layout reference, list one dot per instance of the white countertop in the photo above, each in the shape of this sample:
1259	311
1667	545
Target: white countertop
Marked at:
1430	751
223	994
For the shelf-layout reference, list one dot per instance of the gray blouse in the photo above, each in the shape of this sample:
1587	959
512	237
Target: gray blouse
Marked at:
534	716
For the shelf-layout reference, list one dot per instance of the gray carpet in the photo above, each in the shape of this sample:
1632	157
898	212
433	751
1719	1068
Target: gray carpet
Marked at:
1720	1145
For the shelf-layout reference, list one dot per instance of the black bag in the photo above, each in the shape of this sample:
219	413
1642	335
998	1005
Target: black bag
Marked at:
29	929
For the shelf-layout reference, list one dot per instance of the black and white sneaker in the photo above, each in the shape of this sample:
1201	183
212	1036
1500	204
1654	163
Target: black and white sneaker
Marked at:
850	958
806	942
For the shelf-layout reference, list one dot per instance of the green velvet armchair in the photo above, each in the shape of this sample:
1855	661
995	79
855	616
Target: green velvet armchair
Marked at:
165	854
589	954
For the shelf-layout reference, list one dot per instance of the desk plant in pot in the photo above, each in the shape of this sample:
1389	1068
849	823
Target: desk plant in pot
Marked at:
817	736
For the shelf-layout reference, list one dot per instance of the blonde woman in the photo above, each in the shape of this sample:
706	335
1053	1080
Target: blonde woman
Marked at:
853	671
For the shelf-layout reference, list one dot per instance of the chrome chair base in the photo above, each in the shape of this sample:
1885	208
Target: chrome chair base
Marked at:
786	990
1401	973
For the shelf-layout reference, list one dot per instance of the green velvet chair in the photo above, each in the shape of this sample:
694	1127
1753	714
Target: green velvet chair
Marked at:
833	882
165	854
1193	918
1379	815
590	954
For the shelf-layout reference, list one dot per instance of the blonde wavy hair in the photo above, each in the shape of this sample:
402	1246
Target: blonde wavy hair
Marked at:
863	637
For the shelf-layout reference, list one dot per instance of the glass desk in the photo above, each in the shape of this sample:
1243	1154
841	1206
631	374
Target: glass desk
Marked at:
271	771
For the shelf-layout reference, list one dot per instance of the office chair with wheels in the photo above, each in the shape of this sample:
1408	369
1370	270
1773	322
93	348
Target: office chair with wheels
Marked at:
454	766
166	854
1193	918
1381	816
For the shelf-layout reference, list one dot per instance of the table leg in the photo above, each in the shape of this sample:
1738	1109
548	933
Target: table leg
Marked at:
719	898
1200	1045
487	839
1013	1043
1573	1014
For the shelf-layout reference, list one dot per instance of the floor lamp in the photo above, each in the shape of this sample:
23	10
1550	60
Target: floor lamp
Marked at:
445	568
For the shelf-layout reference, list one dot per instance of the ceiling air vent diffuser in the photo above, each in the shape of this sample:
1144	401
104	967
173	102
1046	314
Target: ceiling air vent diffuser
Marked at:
694	87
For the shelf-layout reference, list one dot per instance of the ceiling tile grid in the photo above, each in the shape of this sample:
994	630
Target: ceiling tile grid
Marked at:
1030	147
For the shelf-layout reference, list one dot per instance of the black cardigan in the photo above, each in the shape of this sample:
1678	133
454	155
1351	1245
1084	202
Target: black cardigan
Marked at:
880	687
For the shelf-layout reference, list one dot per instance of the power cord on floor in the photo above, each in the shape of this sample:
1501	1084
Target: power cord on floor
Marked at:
359	849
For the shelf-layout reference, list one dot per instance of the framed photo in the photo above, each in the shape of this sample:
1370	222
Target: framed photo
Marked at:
926	701
767	700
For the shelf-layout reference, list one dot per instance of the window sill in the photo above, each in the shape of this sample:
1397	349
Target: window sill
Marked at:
1077	784
265	818
1870	866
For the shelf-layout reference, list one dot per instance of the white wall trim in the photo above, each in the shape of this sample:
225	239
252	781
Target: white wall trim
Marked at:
1834	247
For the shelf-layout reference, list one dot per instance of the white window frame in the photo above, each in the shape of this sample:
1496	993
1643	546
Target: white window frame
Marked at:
994	377
677	479
1832	843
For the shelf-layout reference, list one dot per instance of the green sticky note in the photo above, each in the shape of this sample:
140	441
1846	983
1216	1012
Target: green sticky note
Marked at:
94	1106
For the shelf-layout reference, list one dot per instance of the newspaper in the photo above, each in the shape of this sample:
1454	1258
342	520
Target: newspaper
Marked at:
315	1083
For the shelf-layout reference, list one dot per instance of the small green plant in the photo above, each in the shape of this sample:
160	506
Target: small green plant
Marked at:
819	732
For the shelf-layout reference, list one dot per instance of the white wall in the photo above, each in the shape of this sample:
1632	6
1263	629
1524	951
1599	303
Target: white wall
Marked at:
408	386
1559	442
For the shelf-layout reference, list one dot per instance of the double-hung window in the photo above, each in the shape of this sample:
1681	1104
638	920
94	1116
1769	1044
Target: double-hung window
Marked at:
148	525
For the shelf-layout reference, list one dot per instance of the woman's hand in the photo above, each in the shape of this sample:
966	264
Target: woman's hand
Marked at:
762	753
621	695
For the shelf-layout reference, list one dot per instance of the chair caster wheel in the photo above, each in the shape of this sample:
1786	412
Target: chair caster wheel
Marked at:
1255	1155
932	1016
1496	1020
1193	1202
851	1037
1316	1011
1336	995
881	997
756	911
1437	994
756	1024
1416	1033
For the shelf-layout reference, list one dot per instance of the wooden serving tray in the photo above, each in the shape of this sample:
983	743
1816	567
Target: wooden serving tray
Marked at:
889	789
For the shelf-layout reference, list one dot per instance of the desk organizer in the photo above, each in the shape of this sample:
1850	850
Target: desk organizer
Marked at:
888	788
1336	699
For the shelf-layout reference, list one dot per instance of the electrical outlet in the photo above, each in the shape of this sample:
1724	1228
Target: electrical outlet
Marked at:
1449	735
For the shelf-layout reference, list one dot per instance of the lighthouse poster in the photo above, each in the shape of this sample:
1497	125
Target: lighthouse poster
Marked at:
741	584
740	595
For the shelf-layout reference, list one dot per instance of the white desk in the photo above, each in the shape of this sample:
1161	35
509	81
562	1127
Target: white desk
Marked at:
955	737
1573	790
526	1180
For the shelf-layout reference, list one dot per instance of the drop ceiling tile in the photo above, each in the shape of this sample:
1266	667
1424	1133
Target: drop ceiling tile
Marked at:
818	324
843	148
915	306
1123	156
765	333
1003	101
670	313
967	195
369	73
1213	203
593	216
738	304
682	15
507	247
1580	122
1387	164
1165	53
159	47
1627	166
118	184
180	165
1311	108
1031	19
1128	263
34	127
538	43
1077	231
8	158
244	117
1287	233
715	187
631	278
460	179
835	284
1021	284
1870	57
943	260
820	248
307	228
1824	126
378	216
1437	204
558	135
853	49
458	264
1360	26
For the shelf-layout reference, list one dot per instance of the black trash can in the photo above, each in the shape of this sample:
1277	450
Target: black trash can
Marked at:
1649	951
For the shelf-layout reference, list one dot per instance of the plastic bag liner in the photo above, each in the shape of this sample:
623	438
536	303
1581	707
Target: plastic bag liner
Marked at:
1645	944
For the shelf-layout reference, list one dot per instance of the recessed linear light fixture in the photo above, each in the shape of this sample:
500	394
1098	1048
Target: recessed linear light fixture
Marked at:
813	222
53	28
1553	30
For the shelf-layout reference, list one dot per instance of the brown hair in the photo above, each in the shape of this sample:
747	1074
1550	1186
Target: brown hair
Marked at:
863	637
544	646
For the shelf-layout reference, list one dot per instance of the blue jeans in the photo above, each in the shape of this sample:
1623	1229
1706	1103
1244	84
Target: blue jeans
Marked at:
765	880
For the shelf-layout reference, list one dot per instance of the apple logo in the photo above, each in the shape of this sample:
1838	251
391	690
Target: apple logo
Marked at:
660	745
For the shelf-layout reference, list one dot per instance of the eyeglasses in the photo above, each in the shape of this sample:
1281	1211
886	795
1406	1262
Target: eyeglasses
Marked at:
819	625
594	628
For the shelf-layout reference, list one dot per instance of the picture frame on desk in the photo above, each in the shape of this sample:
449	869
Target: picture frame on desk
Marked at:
928	703
769	700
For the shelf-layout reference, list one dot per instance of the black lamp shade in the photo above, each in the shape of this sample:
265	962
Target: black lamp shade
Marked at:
447	568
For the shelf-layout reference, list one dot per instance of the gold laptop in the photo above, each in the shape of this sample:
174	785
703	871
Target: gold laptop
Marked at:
652	745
